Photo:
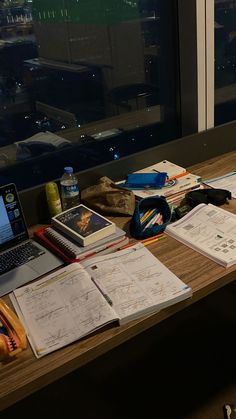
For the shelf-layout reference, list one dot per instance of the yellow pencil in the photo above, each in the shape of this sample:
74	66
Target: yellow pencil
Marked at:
157	236
146	243
145	215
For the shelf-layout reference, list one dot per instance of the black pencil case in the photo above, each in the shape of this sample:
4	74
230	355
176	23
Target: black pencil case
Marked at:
144	229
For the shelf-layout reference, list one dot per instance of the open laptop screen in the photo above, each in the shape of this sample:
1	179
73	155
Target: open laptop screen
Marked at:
13	229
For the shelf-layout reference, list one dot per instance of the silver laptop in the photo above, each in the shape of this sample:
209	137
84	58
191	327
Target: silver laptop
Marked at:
21	259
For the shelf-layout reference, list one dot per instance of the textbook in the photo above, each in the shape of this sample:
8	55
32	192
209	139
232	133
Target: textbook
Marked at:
81	298
173	170
185	182
70	251
83	224
178	180
210	230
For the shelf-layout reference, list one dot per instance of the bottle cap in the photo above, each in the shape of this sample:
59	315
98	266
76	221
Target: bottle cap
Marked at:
68	169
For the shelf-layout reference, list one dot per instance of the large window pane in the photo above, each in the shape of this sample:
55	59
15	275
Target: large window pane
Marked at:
225	61
102	74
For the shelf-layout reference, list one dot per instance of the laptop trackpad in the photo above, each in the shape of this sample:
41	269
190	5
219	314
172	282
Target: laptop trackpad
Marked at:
16	278
45	263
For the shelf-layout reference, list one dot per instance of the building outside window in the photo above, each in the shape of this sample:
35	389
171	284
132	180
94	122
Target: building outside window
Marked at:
102	75
225	61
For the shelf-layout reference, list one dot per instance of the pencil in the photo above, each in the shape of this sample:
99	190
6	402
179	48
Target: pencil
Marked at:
147	214
152	221
146	243
152	237
178	176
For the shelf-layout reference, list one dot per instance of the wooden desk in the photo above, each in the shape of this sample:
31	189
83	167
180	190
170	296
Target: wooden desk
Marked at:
26	374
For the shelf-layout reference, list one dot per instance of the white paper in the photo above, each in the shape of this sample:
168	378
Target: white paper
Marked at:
61	308
210	230
136	282
227	181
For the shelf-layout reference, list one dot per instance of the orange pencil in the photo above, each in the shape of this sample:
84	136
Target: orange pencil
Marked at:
177	176
152	237
153	241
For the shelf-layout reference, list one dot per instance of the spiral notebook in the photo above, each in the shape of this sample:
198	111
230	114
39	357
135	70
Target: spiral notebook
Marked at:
70	251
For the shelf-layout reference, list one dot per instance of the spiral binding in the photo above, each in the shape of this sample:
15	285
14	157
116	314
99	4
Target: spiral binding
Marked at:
63	243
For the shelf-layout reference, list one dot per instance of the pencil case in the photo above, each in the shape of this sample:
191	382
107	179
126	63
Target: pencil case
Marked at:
146	180
151	216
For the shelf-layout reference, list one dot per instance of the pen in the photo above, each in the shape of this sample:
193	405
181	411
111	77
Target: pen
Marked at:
106	296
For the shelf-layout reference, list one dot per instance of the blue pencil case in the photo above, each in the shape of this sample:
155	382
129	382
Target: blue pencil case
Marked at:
146	180
147	213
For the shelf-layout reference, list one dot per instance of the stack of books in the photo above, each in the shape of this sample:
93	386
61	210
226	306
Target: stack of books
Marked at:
79	233
179	182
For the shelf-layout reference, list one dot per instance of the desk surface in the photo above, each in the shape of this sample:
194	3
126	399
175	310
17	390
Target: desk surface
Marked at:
25	374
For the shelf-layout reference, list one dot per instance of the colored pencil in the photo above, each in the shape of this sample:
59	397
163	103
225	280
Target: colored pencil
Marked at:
146	243
152	237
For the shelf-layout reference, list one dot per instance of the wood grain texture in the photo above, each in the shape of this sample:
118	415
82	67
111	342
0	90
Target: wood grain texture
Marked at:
25	374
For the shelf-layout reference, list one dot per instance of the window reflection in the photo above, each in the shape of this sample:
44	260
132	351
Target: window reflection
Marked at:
225	61
100	74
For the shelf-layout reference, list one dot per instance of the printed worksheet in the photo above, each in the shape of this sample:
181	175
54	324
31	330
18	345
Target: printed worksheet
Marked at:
210	230
227	181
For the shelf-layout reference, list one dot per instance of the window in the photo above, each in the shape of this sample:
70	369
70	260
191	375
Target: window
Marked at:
104	75
225	61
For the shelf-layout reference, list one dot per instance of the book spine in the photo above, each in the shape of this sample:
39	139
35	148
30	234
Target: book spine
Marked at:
62	243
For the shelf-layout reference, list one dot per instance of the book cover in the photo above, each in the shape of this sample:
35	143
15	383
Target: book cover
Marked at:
209	230
171	187
178	180
173	170
83	224
70	251
81	298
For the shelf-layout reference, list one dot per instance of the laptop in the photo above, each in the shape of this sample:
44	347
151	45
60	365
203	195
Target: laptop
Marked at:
21	259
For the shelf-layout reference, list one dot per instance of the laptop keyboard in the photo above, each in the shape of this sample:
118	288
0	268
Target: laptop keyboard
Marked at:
18	256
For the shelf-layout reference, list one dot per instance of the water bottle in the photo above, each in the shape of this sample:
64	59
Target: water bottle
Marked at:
70	193
53	198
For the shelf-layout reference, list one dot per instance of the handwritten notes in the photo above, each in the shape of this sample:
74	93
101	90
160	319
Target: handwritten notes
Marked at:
78	299
136	282
61	308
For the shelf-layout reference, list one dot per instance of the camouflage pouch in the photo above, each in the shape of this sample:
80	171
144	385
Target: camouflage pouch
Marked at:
109	198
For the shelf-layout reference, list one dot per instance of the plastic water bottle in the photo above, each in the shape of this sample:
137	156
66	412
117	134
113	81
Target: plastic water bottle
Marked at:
70	193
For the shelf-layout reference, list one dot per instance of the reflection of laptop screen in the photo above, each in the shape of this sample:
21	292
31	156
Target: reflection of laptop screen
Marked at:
14	241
